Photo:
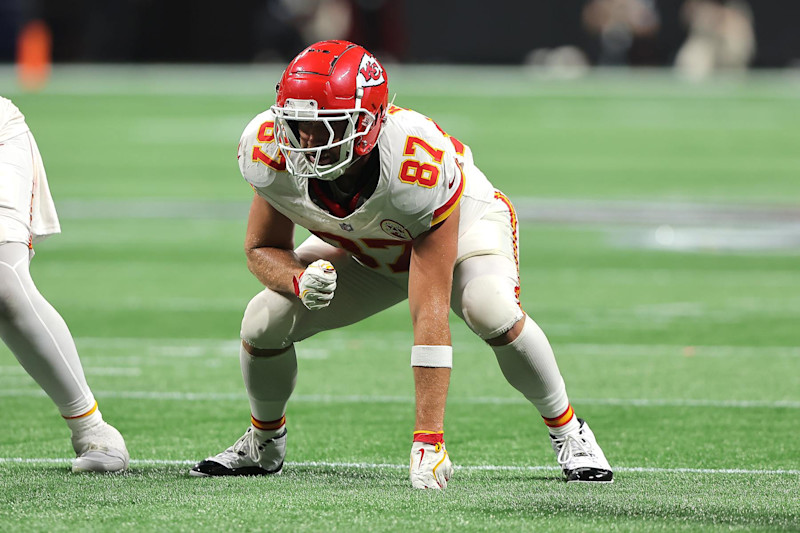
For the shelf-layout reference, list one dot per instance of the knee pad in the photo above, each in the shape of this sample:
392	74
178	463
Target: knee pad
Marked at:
489	306
268	320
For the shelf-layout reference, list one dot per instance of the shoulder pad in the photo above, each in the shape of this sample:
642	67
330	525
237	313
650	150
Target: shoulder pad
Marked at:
259	157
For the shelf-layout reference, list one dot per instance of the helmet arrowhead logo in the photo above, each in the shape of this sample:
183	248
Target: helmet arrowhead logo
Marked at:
370	72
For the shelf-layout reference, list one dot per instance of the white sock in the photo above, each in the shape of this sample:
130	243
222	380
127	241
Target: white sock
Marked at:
269	381
530	367
83	424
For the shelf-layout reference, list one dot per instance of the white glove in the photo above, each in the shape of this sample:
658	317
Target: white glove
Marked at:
430	466
316	284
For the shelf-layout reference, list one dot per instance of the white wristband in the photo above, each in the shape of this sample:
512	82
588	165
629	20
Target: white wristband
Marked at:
432	356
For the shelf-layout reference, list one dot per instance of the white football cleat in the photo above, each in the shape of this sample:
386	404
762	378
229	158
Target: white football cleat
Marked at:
430	466
100	449
253	455
580	456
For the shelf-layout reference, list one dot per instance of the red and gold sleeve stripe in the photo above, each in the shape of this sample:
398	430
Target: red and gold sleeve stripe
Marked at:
561	419
443	212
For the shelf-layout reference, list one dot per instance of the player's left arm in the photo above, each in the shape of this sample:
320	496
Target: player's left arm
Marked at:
433	256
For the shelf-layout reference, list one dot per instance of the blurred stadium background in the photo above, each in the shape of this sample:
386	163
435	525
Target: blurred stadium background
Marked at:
651	148
622	32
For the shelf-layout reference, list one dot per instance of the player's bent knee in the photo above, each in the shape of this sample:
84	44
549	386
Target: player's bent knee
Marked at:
268	321
509	336
489	306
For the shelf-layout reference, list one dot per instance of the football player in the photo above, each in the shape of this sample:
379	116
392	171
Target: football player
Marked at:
397	210
29	325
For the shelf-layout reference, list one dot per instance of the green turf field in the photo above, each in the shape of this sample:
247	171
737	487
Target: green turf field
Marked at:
659	252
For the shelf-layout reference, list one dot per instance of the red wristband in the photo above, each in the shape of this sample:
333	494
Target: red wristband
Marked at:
296	283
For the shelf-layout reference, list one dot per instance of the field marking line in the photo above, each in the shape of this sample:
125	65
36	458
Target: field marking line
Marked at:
361	399
195	347
470	468
17	370
658	350
594	212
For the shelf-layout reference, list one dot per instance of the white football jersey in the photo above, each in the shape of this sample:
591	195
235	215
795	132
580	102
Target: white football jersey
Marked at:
27	212
12	122
424	175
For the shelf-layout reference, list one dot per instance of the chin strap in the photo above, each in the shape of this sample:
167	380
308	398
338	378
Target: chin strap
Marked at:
359	96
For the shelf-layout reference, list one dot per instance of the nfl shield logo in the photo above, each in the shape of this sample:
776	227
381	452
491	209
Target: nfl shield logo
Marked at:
345	226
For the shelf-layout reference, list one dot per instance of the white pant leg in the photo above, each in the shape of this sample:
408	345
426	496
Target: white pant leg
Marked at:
38	336
274	320
486	277
486	296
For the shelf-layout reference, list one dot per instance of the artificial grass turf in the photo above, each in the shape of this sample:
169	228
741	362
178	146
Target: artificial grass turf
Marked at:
681	361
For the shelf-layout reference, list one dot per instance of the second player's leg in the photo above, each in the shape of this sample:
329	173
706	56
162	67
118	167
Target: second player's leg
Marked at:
42	343
38	336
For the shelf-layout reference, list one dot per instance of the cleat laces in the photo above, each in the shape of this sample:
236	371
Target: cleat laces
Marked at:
247	446
571	447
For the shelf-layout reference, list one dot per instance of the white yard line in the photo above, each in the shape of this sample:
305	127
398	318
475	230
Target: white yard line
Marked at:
367	399
469	468
676	349
17	370
592	212
317	348
675	226
734	309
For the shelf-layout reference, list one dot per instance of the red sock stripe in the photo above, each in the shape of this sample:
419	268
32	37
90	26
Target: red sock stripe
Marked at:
430	437
271	424
87	413
561	419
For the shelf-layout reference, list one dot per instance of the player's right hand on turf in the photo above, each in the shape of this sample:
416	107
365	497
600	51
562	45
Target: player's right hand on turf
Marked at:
315	285
431	467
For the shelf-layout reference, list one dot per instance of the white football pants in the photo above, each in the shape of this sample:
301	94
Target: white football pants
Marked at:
30	327
485	282
38	336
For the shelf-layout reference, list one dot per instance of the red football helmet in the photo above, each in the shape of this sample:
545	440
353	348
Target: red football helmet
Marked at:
331	82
